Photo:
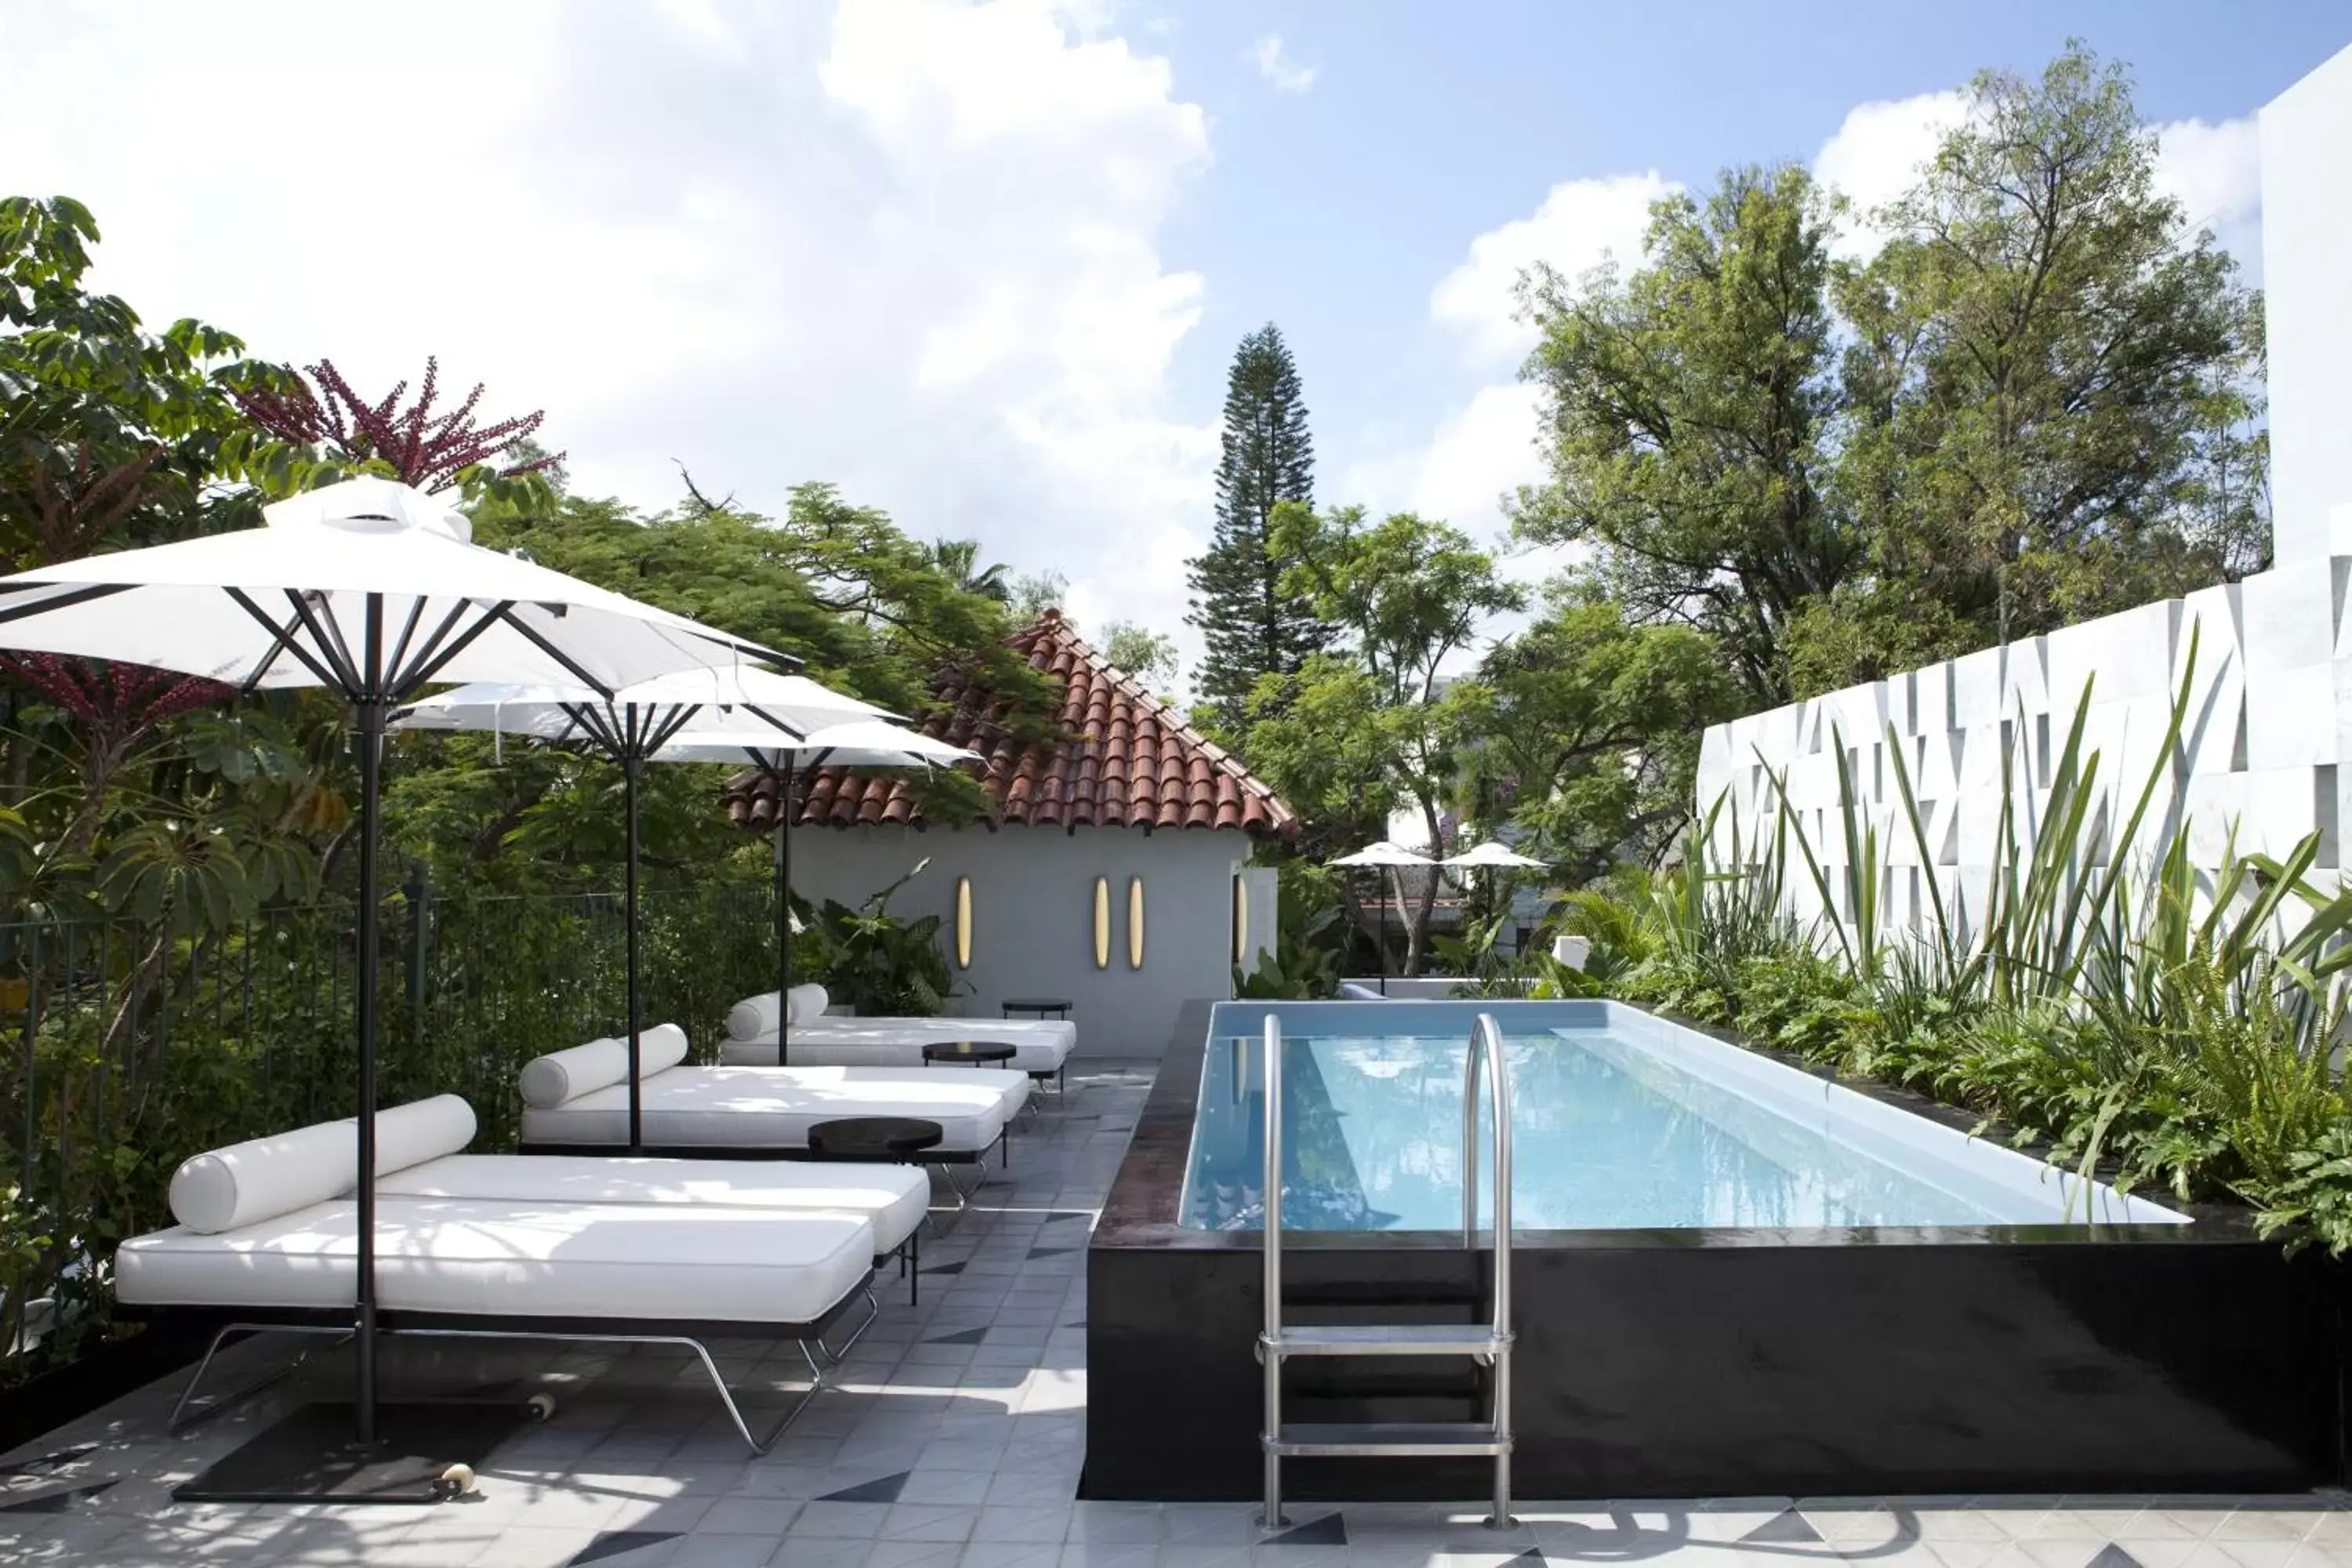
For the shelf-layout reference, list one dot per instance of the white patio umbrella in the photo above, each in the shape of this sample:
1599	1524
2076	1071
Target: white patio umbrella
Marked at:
1491	856
372	590
869	743
1388	853
630	726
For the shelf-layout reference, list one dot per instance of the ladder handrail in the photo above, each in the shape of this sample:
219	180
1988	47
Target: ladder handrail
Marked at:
1272	1202
1495	1438
1486	1044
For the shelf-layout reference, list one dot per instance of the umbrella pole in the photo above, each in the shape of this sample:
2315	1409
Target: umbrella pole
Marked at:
1379	881
631	766
371	742
785	911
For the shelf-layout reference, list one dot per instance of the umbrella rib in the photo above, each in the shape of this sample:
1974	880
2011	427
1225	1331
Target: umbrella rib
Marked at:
65	601
426	655
408	630
506	612
762	714
430	663
680	713
283	640
598	725
347	674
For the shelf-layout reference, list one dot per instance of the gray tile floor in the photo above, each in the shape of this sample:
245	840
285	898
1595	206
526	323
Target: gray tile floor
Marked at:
953	1435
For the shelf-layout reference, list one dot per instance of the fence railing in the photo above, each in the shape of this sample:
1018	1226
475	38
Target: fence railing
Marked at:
128	1046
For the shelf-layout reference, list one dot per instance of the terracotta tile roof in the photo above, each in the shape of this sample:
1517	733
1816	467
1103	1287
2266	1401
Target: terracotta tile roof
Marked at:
1124	759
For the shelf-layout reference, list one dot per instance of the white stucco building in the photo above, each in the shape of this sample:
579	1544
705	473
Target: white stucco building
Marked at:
1108	871
2269	724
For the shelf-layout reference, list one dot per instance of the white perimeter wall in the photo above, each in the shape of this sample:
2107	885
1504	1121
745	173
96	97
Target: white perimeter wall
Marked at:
1032	914
2306	136
2269	727
2270	714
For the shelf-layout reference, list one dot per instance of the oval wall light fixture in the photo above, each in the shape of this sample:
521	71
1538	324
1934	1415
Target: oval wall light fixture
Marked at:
1241	917
1102	923
963	923
1135	922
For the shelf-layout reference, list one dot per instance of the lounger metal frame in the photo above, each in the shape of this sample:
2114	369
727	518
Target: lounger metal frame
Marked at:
689	1336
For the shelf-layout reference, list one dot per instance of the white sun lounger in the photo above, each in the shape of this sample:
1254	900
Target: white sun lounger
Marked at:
766	1113
1041	1046
267	1242
893	1199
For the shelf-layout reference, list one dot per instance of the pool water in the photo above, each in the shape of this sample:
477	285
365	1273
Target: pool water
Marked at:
1608	1135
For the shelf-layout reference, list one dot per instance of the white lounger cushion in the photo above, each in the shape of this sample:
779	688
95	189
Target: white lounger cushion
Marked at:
264	1177
1042	1045
566	1075
638	1262
773	1107
756	1016
892	1198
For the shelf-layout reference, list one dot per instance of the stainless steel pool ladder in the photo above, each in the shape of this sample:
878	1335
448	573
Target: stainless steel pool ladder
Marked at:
1489	1343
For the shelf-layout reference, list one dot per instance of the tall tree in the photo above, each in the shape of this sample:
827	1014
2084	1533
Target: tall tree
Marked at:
1252	624
1688	406
1371	726
2051	381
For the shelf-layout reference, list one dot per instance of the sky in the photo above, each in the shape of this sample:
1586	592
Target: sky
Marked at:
984	265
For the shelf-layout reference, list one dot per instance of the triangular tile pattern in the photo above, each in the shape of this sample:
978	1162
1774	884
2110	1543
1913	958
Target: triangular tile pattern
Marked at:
613	1542
883	1489
1122	758
57	1501
1533	1554
1788	1525
942	1269
1034	1252
1331	1530
960	1337
2112	1556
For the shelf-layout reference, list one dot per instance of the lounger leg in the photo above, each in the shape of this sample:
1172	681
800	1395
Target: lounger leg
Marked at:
762	1444
180	1419
963	1198
873	1310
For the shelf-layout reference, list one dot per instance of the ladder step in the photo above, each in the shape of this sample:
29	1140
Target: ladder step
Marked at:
1383	1439
1389	1339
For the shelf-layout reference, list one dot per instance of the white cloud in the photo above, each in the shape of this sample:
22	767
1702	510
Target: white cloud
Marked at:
1266	55
1476	455
909	245
2215	173
1579	224
1874	155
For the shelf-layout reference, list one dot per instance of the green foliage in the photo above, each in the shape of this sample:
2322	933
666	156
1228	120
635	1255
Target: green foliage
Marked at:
1302	965
2036	403
880	964
1254	624
1593	739
2135	1016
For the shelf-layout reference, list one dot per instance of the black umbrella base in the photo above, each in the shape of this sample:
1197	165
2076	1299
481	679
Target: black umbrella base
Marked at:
423	1453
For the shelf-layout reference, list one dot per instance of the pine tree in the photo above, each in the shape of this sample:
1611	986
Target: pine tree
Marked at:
1249	624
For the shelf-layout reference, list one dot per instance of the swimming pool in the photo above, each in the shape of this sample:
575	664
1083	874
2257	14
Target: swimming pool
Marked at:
1622	1121
1731	1277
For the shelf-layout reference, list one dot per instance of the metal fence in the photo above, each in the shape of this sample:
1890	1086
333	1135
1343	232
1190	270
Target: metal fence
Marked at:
130	1045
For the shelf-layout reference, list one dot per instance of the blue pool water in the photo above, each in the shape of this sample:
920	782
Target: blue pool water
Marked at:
1610	1131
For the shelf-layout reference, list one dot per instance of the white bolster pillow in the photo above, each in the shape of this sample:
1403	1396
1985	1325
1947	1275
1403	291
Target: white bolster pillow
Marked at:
752	1017
265	1177
561	1077
807	1002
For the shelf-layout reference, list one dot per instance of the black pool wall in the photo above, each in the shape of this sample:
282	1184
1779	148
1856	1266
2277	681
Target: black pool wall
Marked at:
2144	1358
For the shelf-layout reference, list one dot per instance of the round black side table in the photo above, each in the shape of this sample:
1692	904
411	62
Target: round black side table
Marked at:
1037	1006
971	1053
873	1138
